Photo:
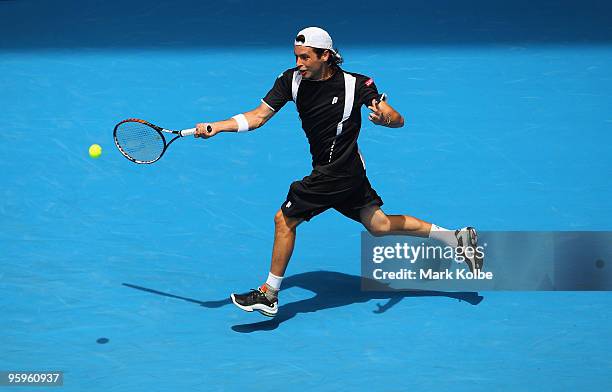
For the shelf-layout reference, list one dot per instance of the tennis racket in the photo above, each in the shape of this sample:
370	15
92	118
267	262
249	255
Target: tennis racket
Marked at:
144	143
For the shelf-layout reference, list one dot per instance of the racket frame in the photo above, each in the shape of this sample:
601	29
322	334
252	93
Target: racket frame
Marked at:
159	130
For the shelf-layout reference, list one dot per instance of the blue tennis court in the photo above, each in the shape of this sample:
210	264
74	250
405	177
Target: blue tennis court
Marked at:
508	127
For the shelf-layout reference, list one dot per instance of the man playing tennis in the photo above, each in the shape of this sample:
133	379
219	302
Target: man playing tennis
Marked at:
328	100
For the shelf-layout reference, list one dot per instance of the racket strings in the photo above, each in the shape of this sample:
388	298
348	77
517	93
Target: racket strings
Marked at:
139	141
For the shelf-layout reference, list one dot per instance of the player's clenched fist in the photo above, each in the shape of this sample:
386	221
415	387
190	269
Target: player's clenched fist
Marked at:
205	130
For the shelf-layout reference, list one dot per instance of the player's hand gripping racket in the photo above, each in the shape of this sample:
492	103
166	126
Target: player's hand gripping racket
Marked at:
144	143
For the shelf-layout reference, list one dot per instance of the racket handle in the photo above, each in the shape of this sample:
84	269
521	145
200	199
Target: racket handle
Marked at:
187	132
191	131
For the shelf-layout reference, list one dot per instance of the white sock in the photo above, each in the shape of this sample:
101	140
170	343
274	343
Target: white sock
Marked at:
444	235
274	281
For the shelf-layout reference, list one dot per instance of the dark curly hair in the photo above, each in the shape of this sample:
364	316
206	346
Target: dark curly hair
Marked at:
335	59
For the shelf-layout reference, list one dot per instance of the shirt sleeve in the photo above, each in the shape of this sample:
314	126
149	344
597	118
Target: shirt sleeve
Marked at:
367	91
280	93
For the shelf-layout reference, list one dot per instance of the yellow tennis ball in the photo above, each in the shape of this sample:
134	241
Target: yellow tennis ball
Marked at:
95	151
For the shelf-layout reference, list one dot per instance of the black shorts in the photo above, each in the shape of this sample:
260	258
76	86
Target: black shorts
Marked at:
318	192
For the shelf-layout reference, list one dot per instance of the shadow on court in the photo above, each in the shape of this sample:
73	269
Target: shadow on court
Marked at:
332	290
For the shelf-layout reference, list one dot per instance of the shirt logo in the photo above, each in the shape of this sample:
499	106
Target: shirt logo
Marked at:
335	100
288	204
369	82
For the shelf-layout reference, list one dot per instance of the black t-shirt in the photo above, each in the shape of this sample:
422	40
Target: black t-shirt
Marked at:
331	123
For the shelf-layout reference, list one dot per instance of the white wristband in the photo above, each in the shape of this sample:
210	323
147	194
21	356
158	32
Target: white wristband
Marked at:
243	124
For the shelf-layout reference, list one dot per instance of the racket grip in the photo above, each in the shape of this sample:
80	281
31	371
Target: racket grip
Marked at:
192	131
187	132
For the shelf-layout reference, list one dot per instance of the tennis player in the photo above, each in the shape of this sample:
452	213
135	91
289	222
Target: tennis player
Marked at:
328	100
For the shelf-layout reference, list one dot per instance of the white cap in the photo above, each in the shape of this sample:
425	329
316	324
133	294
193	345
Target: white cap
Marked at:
316	37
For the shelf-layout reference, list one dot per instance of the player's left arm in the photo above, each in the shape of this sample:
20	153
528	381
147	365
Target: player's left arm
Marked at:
383	114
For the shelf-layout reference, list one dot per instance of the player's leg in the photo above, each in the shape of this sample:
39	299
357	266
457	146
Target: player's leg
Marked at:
304	201
378	223
284	241
265	298
282	249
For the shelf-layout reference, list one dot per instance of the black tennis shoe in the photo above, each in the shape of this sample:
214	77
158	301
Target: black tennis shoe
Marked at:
256	300
468	242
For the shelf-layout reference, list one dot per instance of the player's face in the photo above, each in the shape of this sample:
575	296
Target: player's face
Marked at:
308	63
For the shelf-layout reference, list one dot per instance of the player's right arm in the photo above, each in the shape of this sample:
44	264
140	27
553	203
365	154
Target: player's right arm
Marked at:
254	118
276	98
